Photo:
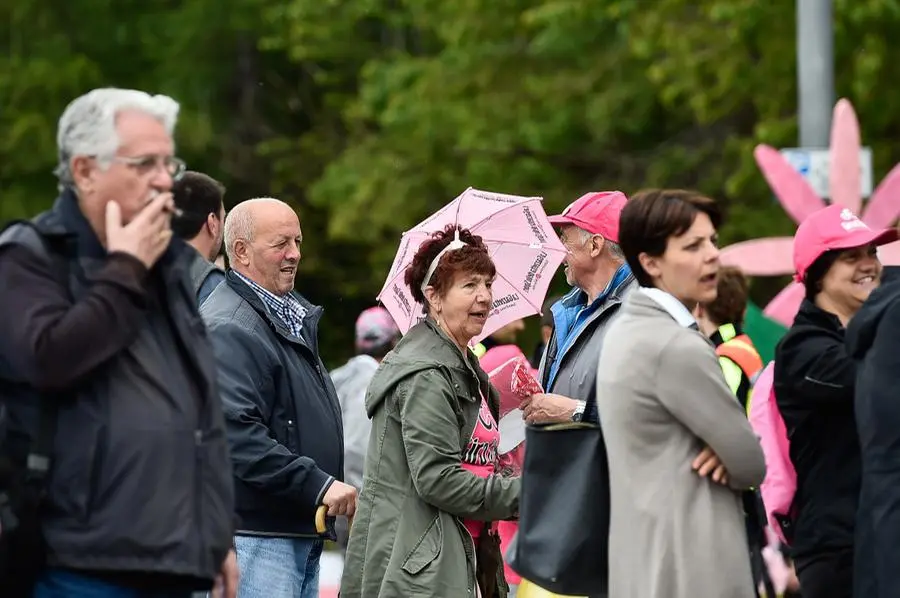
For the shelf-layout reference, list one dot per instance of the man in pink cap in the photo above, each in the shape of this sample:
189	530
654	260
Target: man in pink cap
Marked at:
820	391
600	279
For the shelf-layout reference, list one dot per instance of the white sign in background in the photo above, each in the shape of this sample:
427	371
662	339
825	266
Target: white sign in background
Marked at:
814	166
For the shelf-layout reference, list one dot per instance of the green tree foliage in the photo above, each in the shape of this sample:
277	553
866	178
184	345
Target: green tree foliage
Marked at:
368	115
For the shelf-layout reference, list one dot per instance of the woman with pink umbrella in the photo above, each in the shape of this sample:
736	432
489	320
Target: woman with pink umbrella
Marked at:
836	262
431	489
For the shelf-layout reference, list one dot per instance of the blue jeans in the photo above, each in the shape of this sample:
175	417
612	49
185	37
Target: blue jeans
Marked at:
278	567
62	583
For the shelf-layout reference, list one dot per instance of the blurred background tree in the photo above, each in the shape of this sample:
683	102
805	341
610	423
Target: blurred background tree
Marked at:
369	115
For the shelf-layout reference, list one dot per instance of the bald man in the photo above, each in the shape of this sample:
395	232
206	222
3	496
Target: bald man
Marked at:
283	417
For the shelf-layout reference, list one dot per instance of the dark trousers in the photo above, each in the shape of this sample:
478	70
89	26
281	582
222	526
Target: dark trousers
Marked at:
826	575
61	583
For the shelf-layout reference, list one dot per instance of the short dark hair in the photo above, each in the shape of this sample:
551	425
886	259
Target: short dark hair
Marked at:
197	196
730	304
652	216
812	281
472	257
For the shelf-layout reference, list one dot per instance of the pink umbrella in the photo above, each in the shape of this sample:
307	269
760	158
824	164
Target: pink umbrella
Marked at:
520	240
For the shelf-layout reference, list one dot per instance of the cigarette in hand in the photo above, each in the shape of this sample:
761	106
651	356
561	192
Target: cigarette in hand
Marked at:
174	210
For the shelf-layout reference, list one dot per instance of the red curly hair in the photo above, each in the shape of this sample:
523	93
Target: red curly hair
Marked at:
473	258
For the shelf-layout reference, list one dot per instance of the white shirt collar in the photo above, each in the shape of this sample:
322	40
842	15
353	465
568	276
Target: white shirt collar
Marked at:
673	306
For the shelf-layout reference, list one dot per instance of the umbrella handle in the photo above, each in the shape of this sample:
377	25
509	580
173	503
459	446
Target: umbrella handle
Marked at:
321	528
321	512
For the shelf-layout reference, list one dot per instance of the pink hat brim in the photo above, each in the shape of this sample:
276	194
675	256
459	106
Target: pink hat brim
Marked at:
560	220
868	237
857	239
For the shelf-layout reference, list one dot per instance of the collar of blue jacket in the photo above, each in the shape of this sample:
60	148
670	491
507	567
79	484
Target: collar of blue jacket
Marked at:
572	312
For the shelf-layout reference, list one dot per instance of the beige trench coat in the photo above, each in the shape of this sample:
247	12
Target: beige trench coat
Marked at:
662	398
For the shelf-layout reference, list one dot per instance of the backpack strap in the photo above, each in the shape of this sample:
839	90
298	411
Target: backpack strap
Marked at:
29	233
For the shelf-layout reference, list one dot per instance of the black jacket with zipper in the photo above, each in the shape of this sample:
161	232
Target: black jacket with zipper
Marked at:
139	487
282	413
814	388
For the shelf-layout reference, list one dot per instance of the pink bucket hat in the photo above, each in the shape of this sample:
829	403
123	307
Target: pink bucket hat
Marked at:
834	227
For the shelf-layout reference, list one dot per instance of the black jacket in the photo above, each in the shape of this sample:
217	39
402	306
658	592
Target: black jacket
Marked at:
873	339
139	482
814	382
281	410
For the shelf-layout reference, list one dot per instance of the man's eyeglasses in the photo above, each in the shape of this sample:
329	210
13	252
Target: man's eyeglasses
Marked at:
575	241
147	164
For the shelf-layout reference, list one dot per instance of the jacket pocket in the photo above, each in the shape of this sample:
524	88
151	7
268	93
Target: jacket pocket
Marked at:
427	549
76	462
145	491
290	436
96	465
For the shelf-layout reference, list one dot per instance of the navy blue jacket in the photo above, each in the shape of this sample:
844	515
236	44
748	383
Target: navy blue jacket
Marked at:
282	413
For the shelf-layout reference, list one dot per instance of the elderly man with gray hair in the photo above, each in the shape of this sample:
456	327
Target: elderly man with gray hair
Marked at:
107	380
282	414
601	280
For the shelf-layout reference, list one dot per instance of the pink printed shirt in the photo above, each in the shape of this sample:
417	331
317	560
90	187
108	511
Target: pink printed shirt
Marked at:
480	456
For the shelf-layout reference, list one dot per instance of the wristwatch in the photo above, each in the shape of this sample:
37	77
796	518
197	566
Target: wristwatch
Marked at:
579	411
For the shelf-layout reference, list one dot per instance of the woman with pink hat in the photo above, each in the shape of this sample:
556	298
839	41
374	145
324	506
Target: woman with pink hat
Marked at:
836	260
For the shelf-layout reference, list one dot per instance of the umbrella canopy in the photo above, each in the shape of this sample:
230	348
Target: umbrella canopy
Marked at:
520	241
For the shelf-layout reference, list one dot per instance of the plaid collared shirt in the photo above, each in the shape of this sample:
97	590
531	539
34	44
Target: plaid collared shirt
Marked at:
287	308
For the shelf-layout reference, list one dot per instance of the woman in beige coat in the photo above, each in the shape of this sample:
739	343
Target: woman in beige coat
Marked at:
680	448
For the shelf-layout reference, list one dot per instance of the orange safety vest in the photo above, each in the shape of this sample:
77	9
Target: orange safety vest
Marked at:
740	350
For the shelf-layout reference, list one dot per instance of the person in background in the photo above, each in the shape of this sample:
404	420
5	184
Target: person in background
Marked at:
139	463
202	224
601	280
836	261
722	321
510	425
376	336
546	331
872	342
504	336
677	521
432	487
282	413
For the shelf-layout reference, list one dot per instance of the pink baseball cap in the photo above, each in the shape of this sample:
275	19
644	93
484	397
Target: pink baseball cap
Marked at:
598	213
834	227
375	327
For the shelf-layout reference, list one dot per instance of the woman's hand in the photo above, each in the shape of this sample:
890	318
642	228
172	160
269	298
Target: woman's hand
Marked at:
708	463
